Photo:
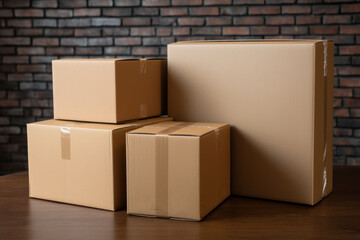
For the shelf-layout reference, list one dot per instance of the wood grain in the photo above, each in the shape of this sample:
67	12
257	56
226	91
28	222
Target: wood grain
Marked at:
336	217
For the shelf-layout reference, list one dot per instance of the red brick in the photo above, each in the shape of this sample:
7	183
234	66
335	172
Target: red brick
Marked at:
354	29
264	30
128	41
87	32
304	20
355	112
136	21
31	51
6	13
324	29
350	50
9	103
348	70
127	3
236	31
357	92
20	77
117	50
280	20
241	2
29	13
217	2
60	51
350	8
59	32
16	3
352	102
204	11
44	3
233	11
86	12
19	23
174	11
34	103
163	31
7	32
155	3
353	161
145	11
248	21
191	21
350	82
59	13
264	10
346	141
72	3
325	9
29	31
280	1
45	41
336	19
181	31
206	31
73	41
218	21
342	92
186	2
31	68
152	51
295	9
142	31
15	59
100	3
100	41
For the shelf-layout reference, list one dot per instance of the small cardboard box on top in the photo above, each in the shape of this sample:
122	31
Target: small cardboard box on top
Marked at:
80	163
277	95
177	170
108	90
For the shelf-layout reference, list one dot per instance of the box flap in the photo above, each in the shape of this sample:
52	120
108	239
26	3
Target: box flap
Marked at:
252	41
178	128
99	126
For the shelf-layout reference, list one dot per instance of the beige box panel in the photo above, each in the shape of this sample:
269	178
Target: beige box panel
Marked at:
138	88
47	174
84	90
266	93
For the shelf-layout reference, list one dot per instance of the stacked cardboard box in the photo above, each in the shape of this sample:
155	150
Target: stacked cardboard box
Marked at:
276	95
84	162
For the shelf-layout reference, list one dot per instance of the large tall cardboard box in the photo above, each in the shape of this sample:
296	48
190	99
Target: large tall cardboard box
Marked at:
79	163
177	169
108	90
277	96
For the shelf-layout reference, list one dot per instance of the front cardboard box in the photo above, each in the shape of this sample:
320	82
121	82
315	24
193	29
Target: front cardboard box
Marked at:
277	96
79	163
177	170
108	90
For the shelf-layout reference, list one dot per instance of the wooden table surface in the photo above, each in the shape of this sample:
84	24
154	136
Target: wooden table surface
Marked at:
336	217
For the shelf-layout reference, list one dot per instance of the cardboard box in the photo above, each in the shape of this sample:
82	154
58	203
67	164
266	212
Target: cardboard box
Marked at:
177	170
277	96
79	163
108	90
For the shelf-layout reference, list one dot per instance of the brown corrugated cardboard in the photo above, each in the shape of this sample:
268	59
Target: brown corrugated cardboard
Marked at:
277	96
79	163
108	90
177	170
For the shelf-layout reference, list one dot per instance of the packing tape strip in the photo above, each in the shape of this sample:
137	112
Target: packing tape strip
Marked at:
162	165
143	65
161	175
65	143
324	178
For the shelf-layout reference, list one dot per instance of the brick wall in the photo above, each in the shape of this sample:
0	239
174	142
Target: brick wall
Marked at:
35	32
